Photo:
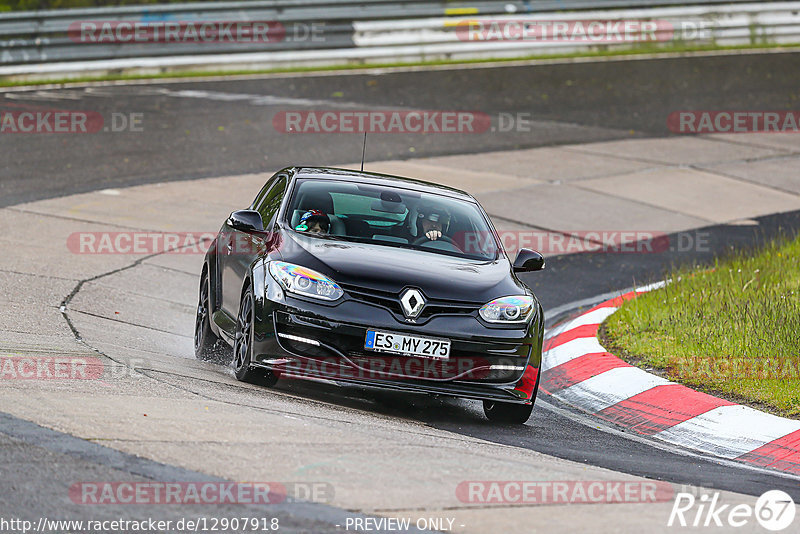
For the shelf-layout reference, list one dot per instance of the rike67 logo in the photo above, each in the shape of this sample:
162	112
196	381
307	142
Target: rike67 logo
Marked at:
774	511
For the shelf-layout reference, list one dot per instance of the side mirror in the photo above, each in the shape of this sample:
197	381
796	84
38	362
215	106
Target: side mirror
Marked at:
528	261
246	221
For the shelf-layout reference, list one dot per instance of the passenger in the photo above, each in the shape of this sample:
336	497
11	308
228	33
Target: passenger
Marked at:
314	222
432	222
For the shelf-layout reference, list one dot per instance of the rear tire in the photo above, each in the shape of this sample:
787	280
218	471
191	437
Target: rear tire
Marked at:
204	338
507	412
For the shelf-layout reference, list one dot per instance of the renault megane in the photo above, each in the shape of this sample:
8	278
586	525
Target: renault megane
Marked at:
362	278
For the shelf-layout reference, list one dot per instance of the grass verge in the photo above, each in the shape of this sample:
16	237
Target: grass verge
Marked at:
733	331
643	50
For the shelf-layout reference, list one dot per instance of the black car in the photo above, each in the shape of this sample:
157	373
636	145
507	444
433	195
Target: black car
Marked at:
375	280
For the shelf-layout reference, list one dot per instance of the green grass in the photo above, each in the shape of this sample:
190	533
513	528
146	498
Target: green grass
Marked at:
733	330
648	49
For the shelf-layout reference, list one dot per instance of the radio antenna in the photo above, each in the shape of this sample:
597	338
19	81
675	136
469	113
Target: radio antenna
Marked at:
363	151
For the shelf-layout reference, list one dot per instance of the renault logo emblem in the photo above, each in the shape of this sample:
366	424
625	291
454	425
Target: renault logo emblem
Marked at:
412	302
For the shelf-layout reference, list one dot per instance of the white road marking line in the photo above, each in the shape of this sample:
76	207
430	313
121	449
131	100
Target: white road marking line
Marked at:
46	95
257	100
651	287
595	317
608	388
103	92
729	431
569	351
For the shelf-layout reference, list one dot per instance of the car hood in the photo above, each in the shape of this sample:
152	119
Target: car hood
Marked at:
387	268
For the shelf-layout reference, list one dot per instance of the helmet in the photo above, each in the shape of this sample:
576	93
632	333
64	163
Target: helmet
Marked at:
433	213
312	217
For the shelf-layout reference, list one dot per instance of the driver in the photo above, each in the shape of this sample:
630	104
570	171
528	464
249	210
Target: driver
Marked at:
314	222
432	221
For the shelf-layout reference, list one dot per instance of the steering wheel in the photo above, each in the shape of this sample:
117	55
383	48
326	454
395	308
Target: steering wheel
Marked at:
424	238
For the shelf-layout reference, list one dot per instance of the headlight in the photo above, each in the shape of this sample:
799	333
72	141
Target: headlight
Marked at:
303	281
516	309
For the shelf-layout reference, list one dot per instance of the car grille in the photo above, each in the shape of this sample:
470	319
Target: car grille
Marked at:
391	301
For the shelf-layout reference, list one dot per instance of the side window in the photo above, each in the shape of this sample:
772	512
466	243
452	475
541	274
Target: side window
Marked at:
264	191
271	201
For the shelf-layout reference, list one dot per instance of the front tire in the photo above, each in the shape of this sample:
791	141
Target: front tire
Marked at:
507	412
204	338
243	340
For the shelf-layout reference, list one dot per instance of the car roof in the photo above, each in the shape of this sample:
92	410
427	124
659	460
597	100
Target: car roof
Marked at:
373	178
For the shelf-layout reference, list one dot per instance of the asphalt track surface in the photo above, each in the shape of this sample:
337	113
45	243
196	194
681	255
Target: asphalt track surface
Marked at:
222	128
190	136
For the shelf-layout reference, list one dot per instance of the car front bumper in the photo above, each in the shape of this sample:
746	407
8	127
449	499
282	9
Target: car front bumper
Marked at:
307	338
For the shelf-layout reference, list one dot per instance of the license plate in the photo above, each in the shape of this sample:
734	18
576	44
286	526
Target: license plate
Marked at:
425	347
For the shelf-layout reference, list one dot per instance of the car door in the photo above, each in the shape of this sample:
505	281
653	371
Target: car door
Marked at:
241	248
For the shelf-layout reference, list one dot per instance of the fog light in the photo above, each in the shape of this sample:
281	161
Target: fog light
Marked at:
300	339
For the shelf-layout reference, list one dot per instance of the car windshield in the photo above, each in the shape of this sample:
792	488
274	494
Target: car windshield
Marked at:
391	216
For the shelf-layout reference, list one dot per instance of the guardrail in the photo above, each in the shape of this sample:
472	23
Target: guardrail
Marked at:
275	33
